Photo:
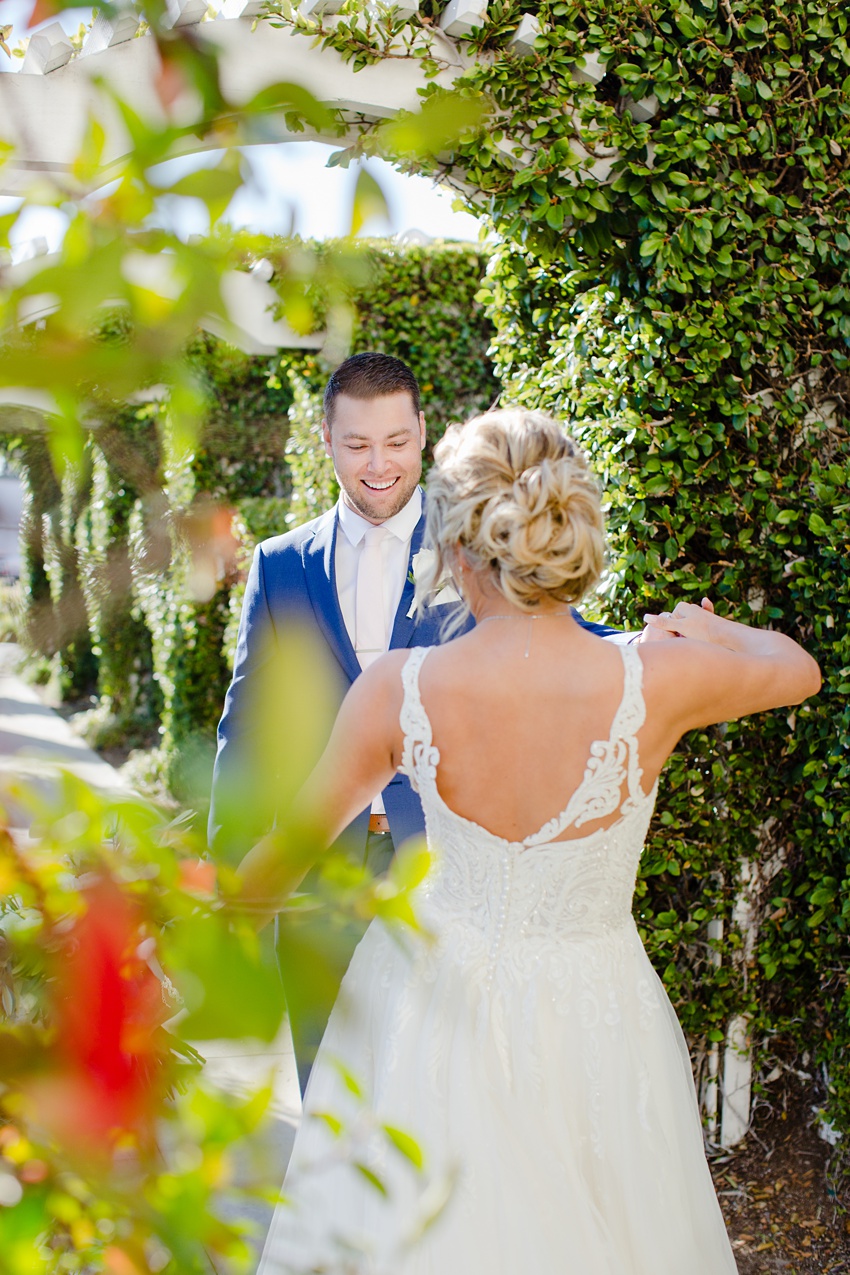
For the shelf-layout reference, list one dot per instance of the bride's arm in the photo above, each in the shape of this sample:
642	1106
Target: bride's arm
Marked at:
728	670
359	761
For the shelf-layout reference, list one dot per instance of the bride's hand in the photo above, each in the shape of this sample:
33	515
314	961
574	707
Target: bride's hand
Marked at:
685	620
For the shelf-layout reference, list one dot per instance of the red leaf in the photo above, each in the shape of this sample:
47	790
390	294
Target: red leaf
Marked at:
42	10
197	876
108	1006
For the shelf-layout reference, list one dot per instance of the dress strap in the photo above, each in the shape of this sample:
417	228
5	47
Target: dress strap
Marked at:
630	716
419	758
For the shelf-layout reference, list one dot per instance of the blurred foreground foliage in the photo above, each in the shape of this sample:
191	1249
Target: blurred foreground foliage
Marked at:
117	1153
114	1152
149	451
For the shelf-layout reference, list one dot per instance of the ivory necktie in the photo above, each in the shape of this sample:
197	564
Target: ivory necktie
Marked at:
370	627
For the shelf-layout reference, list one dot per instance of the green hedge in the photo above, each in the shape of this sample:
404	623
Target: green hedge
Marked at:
76	664
41	498
124	457
238	456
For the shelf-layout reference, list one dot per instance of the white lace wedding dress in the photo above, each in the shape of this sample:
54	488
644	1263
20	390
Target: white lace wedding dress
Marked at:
530	1049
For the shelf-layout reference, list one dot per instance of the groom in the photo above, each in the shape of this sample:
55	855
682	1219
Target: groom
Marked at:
347	579
348	576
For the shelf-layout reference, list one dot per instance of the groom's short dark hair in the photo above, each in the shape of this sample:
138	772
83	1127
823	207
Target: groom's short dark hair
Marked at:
370	375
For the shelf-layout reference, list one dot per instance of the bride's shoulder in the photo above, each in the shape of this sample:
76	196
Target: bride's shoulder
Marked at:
382	680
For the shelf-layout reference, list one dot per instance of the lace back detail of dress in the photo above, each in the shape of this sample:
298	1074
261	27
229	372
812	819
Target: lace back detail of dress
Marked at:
612	763
419	758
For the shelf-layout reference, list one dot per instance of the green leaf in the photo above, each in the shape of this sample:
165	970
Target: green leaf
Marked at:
229	990
348	1078
286	97
333	1122
702	239
65	438
555	216
410	864
405	1144
817	525
369	202
443	121
371	1177
214	186
650	245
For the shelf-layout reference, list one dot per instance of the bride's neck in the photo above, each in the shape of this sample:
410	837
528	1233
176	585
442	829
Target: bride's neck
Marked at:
503	610
486	602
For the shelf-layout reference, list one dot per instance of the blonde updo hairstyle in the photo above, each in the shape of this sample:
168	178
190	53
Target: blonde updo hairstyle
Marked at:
512	492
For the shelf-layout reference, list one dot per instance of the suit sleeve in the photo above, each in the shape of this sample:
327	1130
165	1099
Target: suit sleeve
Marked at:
617	636
241	808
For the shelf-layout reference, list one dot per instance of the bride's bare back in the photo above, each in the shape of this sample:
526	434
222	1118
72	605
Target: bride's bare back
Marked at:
514	732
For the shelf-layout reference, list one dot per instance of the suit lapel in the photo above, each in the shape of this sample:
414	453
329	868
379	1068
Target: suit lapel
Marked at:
318	556
404	623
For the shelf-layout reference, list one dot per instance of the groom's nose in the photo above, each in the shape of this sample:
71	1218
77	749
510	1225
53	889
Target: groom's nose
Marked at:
379	461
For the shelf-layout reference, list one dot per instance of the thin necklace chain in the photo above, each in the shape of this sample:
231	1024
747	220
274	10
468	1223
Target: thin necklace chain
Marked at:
552	615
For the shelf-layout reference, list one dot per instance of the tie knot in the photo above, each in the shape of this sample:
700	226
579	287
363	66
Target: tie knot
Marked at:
375	535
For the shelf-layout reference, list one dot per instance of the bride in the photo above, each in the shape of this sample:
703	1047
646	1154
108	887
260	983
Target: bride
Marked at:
527	1046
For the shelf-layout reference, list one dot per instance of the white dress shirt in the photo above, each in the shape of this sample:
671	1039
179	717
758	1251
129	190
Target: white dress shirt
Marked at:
395	551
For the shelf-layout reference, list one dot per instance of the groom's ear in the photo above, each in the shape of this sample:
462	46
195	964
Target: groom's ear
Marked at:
326	437
421	431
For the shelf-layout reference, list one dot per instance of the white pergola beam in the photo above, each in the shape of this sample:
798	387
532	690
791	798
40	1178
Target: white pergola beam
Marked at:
522	40
643	110
320	8
246	320
47	50
461	16
249	325
242	9
405	9
737	1082
45	117
186	13
592	69
107	32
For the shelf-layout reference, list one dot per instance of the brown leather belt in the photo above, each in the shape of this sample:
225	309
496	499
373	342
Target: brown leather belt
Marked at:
379	823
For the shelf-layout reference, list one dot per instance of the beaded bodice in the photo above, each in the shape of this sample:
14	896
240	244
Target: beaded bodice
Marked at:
501	892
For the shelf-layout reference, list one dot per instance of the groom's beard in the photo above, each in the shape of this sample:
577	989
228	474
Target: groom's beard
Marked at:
377	506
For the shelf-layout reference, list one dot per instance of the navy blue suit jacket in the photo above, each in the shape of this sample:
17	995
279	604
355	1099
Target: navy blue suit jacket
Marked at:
293	580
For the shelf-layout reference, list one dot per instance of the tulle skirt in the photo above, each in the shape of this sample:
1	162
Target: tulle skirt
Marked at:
537	1120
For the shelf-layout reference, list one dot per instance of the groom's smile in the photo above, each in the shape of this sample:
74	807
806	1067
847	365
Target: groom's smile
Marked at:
376	447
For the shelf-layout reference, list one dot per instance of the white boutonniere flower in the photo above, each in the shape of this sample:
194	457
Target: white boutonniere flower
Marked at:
443	592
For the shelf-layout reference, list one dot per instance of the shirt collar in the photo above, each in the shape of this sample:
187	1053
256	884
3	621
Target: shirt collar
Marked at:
402	524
